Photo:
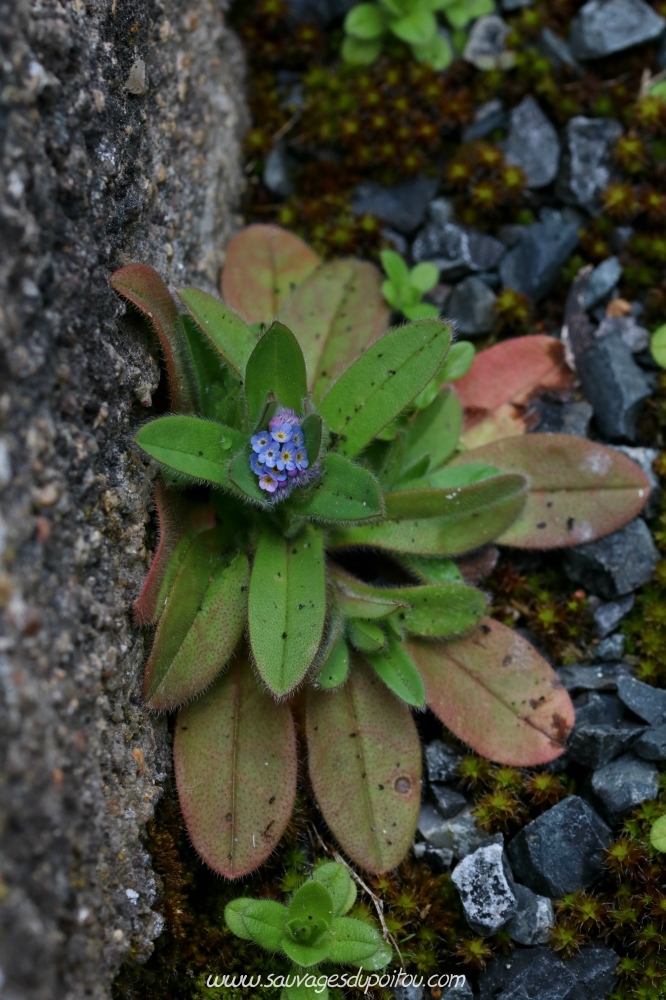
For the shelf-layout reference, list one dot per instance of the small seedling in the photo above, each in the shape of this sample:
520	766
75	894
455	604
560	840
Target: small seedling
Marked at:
658	346
405	288
312	930
412	21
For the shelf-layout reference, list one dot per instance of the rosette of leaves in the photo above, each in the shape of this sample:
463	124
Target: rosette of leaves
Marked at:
312	929
261	615
405	286
412	21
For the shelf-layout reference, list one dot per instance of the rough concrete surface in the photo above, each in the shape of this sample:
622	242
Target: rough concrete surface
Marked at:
120	127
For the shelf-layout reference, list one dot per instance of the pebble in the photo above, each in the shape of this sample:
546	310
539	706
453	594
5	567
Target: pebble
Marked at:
586	161
278	172
602	281
539	974
485	44
471	307
644	700
437	858
594	708
488	117
563	418
603	677
320	11
557	49
611	648
635	336
602	27
459	833
485	885
533	919
456	251
442	761
596	744
459	991
645	457
624	784
614	385
608	616
408	992
402	207
449	802
652	744
533	266
532	144
614	565
562	850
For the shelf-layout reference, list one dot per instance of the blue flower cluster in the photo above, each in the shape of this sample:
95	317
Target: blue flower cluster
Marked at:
278	454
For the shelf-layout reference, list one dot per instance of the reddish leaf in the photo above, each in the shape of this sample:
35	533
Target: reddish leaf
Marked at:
336	313
497	694
579	490
263	265
142	286
235	766
179	522
501	382
365	768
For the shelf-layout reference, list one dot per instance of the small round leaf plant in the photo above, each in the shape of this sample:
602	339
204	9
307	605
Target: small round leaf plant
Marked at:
315	492
312	930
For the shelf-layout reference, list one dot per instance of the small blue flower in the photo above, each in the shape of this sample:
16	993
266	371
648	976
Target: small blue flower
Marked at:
297	437
260	441
301	459
286	459
270	455
256	464
268	482
282	434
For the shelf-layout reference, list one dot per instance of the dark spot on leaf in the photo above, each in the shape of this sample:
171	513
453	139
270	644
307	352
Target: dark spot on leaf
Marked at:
570	523
271	800
353	735
507	660
300	607
402	785
541	524
284	635
381	788
485	629
184	728
549	504
560	728
201	453
228	817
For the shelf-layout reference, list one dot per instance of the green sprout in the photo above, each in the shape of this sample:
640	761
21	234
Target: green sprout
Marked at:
413	22
405	288
658	345
313	498
313	928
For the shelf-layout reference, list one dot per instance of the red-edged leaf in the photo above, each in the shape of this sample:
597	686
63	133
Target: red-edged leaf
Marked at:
503	379
497	694
336	313
365	768
263	265
579	490
141	285
179	522
235	766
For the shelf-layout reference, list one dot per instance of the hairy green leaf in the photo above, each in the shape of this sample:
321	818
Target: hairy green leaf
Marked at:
357	52
432	570
365	21
275	366
345	492
263	921
496	693
287	606
452	477
235	767
470	516
309	917
398	672
263	265
336	878
366	635
458	362
180	522
335	667
353	942
434	432
224	328
192	446
311	427
241	478
438	610
358	600
141	285
335	314
418	28
174	677
381	383
579	490
218	388
365	767
658	834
